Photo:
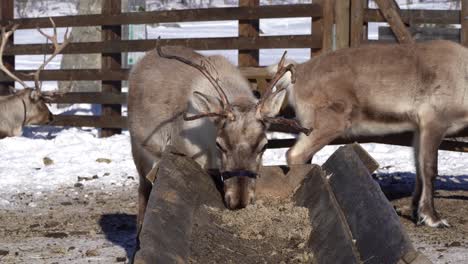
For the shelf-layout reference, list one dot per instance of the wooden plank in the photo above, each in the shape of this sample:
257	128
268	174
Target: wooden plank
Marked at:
268	42
111	61
317	31
418	16
357	22
390	12
181	188
250	29
464	23
403	139
188	15
91	98
90	121
328	21
342	21
113	75
76	75
363	208
7	13
422	34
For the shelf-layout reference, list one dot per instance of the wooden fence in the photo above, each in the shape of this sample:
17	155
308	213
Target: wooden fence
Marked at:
111	73
349	16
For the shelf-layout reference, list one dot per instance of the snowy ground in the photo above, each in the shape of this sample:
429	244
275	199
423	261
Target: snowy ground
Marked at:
48	171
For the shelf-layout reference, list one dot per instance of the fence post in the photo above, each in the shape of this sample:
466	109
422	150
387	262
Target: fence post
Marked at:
357	22
342	21
6	13
111	61
248	28
464	23
328	8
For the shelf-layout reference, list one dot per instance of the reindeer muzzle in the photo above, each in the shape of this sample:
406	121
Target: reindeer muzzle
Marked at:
226	175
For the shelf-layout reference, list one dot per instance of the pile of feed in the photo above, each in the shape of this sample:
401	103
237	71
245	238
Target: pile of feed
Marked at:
270	231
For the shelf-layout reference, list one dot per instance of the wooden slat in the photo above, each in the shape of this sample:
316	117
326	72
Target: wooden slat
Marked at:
67	75
188	15
110	75
342	21
91	98
418	16
90	121
269	42
389	10
464	23
109	62
250	29
328	20
6	13
406	140
357	22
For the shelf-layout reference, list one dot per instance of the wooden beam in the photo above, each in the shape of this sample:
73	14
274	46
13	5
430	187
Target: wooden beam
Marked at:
464	23
342	21
390	12
270	42
248	28
328	21
109	62
418	16
187	15
112	75
117	122
91	98
6	13
357	22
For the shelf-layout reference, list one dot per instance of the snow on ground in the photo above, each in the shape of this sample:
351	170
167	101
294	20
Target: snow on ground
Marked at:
76	153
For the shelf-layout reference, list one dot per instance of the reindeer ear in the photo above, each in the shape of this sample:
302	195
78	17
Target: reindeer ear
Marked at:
272	105
35	95
206	103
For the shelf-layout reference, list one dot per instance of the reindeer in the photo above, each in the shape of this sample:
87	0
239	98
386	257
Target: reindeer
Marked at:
380	89
27	106
205	108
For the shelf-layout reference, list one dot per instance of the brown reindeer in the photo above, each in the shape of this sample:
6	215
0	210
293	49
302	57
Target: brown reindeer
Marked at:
26	106
205	108
379	89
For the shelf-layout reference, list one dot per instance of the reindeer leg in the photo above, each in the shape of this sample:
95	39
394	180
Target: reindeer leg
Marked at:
430	137
418	181
327	126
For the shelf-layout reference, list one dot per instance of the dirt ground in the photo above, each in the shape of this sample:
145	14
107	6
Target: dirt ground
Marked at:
86	225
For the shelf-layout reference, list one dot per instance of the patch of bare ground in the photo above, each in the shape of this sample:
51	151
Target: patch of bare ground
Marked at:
270	231
441	245
69	225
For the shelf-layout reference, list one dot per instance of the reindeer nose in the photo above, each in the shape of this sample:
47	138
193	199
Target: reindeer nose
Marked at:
51	118
250	199
232	201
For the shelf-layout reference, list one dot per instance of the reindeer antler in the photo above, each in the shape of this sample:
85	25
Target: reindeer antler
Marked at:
227	111
269	92
5	36
57	49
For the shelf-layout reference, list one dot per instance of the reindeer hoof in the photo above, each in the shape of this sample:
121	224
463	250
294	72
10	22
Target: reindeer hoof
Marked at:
430	221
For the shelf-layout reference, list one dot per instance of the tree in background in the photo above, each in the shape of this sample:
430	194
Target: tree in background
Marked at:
83	61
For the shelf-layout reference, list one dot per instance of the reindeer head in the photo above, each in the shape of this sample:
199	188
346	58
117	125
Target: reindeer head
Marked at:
33	99
241	130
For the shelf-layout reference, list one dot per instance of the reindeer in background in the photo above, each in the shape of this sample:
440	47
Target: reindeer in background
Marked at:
26	106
